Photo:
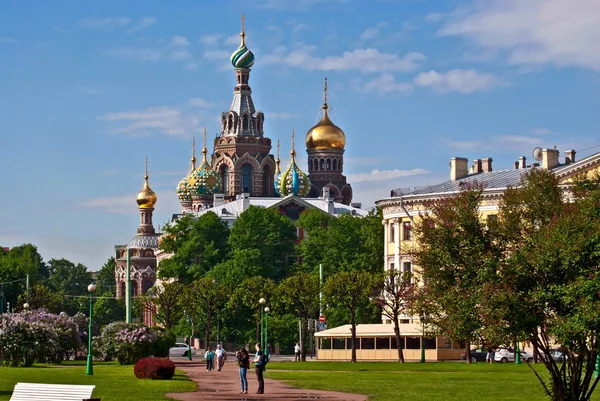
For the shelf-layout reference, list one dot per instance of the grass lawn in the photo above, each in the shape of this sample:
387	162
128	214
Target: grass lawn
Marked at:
416	381
113	382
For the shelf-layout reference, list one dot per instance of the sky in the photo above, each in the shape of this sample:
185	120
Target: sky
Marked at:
89	89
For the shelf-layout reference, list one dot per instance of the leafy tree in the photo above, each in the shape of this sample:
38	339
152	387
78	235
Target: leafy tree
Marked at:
108	309
299	295
457	254
243	302
165	303
68	278
396	299
197	244
313	248
350	290
105	278
15	265
202	300
41	296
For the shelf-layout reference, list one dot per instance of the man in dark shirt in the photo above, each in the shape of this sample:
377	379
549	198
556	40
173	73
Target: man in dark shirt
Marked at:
259	367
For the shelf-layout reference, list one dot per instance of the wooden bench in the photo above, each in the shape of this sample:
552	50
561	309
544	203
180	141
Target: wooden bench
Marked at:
52	392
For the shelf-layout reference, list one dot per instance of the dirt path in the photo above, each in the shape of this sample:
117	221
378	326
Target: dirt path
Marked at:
225	385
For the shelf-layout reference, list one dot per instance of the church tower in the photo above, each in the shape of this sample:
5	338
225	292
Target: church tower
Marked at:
241	152
325	144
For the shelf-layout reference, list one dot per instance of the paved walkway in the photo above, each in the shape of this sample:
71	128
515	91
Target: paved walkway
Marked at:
225	385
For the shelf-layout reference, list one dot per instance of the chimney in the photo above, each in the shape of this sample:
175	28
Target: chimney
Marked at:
477	166
522	162
328	200
325	193
218	199
516	164
356	205
549	158
245	201
458	168
486	165
570	156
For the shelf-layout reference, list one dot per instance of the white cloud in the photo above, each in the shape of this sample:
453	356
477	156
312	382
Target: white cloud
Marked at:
191	66
217	55
125	204
137	53
142	23
380	175
363	60
163	119
274	115
179	41
89	91
198	102
180	54
519	140
369	33
386	83
4	39
210	40
233	39
466	145
107	23
542	131
532	32
461	81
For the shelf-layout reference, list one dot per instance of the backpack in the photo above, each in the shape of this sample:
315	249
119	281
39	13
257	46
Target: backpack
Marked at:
265	359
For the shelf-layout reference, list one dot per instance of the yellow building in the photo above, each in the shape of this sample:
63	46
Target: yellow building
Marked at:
399	213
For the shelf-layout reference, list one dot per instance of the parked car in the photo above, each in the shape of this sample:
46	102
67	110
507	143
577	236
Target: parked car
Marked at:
477	355
508	355
556	354
181	349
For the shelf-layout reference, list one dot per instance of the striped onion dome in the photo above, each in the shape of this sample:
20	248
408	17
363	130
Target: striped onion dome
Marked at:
242	57
292	181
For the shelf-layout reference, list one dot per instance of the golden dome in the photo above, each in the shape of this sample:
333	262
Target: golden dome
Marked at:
146	199
325	134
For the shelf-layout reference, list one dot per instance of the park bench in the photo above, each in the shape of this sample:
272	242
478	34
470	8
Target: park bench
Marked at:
52	392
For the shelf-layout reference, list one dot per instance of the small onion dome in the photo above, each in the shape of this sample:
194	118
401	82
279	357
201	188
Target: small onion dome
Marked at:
146	199
292	181
185	185
242	57
325	134
204	180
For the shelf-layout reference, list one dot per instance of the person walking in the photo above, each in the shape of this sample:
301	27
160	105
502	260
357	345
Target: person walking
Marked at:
297	352
221	357
259	367
244	364
209	355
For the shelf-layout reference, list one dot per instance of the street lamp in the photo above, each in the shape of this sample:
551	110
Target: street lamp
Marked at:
517	353
266	350
262	301
25	306
189	353
90	368
26	309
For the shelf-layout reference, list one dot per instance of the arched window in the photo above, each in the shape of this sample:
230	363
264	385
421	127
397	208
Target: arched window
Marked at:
245	122
230	122
225	179
267	181
122	289
334	164
328	164
246	178
322	164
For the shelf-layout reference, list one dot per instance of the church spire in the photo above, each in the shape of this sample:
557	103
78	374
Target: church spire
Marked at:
193	153
204	150
277	161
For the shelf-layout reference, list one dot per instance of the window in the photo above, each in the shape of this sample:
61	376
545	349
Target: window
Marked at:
246	178
406	231
394	345
325	343
225	179
413	342
382	343
392	267
339	343
406	267
334	165
404	321
392	232
367	343
245	122
267	181
429	343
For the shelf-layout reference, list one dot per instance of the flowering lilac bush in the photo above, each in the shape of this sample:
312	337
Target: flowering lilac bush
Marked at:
127	342
36	336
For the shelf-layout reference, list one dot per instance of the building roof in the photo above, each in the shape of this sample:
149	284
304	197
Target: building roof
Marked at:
232	210
372	330
490	180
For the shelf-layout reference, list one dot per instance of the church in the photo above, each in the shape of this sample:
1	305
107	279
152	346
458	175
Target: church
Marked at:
241	172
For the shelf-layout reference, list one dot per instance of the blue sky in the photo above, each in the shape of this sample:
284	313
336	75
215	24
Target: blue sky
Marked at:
89	89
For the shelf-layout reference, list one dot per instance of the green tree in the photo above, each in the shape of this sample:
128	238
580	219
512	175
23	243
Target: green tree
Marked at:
458	255
314	246
68	278
396	298
15	265
202	300
197	245
299	295
108	309
40	296
165	303
350	290
105	278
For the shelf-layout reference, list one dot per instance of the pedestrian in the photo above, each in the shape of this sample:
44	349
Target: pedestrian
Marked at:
259	367
297	352
209	355
244	364
221	357
489	358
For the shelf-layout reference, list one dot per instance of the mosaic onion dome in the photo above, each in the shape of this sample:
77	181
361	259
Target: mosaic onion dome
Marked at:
146	199
293	181
325	134
184	186
242	57
204	180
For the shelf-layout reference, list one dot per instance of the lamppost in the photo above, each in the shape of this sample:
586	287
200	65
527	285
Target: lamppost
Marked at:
26	309
189	353
90	368
517	353
423	340
262	301
266	350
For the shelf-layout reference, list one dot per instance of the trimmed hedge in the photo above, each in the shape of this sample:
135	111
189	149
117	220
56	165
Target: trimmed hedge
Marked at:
154	368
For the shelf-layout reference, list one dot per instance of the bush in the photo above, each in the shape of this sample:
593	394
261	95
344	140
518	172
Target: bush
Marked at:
128	342
165	340
154	368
